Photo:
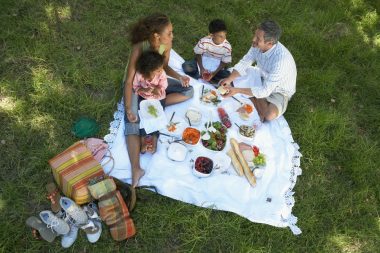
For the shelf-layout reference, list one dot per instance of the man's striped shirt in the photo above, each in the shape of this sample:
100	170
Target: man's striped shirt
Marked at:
278	69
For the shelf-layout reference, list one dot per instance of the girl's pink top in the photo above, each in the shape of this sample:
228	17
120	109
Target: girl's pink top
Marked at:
159	82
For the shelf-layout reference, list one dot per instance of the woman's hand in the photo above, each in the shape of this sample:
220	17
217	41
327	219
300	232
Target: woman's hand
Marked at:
131	116
185	81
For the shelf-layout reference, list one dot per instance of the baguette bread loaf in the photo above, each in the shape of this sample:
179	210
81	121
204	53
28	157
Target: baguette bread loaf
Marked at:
235	162
247	171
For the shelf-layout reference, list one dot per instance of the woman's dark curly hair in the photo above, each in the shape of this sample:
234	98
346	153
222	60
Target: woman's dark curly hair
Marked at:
146	27
148	62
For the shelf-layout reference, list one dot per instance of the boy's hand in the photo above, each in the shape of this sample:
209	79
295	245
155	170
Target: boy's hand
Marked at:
185	81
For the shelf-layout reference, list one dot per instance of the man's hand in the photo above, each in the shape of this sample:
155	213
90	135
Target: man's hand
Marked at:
231	91
185	81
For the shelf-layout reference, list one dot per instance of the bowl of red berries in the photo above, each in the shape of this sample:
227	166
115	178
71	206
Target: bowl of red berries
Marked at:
202	166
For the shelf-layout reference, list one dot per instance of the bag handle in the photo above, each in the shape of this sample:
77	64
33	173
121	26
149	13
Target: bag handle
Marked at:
110	158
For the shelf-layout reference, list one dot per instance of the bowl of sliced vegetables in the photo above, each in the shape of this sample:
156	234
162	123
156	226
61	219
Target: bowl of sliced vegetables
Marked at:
191	136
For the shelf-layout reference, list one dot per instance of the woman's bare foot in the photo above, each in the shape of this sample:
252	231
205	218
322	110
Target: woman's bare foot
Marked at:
137	173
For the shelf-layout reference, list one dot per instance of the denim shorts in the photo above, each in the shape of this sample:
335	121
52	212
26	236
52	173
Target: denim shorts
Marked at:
174	86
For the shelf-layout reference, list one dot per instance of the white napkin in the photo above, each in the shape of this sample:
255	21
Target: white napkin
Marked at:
148	122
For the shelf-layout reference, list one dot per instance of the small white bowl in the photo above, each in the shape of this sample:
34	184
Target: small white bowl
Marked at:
195	111
245	138
177	152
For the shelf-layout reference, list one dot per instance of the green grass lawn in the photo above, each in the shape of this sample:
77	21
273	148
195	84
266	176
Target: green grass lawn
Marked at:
60	60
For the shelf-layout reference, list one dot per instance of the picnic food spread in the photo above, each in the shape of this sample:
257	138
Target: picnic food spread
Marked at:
212	135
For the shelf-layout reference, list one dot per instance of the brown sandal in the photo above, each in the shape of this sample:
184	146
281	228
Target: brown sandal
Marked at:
36	234
54	196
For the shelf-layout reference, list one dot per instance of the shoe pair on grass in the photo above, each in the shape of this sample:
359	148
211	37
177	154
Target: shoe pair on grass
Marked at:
50	225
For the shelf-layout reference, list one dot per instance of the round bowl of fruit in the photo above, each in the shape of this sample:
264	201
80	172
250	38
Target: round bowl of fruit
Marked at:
202	166
214	136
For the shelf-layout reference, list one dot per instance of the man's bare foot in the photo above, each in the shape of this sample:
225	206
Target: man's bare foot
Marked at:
137	173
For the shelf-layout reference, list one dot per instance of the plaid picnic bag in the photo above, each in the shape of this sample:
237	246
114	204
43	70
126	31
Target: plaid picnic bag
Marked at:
73	168
113	210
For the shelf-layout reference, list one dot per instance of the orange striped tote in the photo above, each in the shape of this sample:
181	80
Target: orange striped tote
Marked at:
73	168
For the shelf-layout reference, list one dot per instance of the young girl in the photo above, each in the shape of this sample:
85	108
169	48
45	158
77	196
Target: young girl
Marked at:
150	82
154	32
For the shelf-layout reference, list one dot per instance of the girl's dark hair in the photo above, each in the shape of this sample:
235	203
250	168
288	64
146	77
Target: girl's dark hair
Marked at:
148	62
217	25
146	27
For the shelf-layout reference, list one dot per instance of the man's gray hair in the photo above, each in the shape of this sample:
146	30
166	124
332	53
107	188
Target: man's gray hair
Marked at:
272	31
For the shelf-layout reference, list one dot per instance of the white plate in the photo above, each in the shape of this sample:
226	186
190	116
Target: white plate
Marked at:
222	161
230	105
210	103
179	127
144	105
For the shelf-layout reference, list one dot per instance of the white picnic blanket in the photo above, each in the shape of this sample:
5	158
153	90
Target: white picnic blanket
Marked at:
270	202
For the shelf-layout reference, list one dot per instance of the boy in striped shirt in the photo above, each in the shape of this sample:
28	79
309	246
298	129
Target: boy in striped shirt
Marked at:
212	55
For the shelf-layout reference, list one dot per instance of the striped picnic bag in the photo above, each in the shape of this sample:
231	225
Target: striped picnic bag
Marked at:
73	168
113	209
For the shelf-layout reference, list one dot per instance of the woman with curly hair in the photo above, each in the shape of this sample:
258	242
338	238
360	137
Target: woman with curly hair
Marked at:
154	32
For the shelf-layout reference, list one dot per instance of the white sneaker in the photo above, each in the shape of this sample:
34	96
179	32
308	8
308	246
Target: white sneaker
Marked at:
73	210
92	238
69	239
55	223
94	229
